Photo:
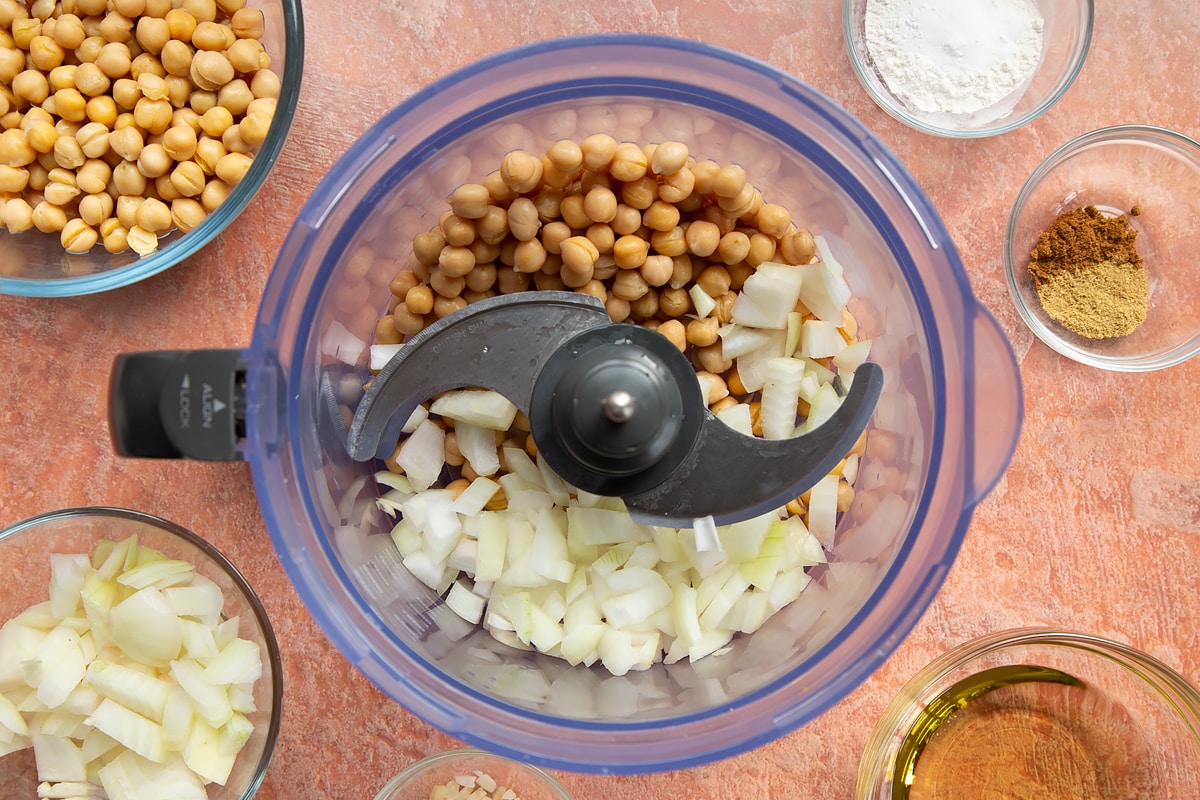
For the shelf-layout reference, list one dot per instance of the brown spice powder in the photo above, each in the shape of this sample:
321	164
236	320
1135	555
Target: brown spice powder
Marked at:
1082	238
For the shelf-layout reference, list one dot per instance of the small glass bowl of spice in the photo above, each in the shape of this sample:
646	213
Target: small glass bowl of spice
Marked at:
1036	713
1102	247
967	68
467	773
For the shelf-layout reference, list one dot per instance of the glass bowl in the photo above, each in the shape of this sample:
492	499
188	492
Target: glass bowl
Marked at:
1117	722
25	550
1066	36
1117	169
34	263
528	782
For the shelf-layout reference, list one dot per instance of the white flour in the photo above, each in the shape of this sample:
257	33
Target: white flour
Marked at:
955	57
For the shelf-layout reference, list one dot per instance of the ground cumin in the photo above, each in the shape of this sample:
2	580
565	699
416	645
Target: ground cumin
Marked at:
1088	273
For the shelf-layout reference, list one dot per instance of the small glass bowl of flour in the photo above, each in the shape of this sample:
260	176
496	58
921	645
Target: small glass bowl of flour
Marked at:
967	68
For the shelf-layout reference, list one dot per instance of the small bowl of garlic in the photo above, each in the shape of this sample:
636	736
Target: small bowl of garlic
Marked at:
466	773
132	132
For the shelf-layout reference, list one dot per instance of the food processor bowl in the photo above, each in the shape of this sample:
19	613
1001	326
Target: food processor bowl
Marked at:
950	408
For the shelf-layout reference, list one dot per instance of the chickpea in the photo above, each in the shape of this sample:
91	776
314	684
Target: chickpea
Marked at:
629	285
94	176
656	270
210	36
712	358
247	23
600	204
572	210
445	306
78	237
17	215
669	242
738	273
95	208
702	238
445	285
153	116
31	86
509	281
13	179
102	110
41	136
48	218
68	153
45	53
547	282
628	162
456	261
682	271
521	171
597	151
566	156
153	161
674	331
233	167
523	219
406	322
702	332
470	201
481	278
674	302
594	288
762	249
127	143
179	142
717	390
579	254
797	247
266	83
246	55
627	221
529	256
142	241
210	70
188	179
492	227
640	193
660	216
629	252
151	34
729	182
733	247
115	238
553	235
679	188
645	307
618	309
669	158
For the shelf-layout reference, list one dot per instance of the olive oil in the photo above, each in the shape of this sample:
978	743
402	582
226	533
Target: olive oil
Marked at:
1022	733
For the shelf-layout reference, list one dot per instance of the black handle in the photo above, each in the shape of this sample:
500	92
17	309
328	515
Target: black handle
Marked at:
178	404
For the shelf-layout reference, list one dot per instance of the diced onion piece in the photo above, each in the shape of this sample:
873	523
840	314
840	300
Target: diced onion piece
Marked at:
781	391
478	446
67	574
381	354
752	366
130	777
824	405
146	629
131	729
820	339
465	603
768	296
738	417
482	407
422	455
702	301
822	510
475	497
134	689
824	291
853	355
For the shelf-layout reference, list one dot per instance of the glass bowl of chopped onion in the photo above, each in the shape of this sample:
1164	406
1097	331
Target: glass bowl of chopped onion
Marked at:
1101	247
967	70
116	178
134	658
470	774
1037	712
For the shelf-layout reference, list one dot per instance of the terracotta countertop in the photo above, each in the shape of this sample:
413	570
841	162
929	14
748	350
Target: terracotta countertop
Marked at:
1095	526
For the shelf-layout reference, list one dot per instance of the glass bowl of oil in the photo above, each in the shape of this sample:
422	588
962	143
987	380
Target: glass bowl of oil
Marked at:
1037	713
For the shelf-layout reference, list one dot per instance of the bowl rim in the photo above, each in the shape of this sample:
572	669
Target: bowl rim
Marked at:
271	643
1176	354
877	762
889	105
180	247
457	753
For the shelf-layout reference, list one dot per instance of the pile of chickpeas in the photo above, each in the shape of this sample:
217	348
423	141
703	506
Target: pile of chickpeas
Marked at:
122	120
635	226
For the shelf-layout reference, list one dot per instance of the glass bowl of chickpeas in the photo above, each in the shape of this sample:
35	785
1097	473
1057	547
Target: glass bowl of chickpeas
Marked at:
667	179
132	132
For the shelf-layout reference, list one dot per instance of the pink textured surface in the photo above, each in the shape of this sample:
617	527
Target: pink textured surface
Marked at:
1095	526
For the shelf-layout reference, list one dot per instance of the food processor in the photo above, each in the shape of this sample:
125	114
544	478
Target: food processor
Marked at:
941	387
